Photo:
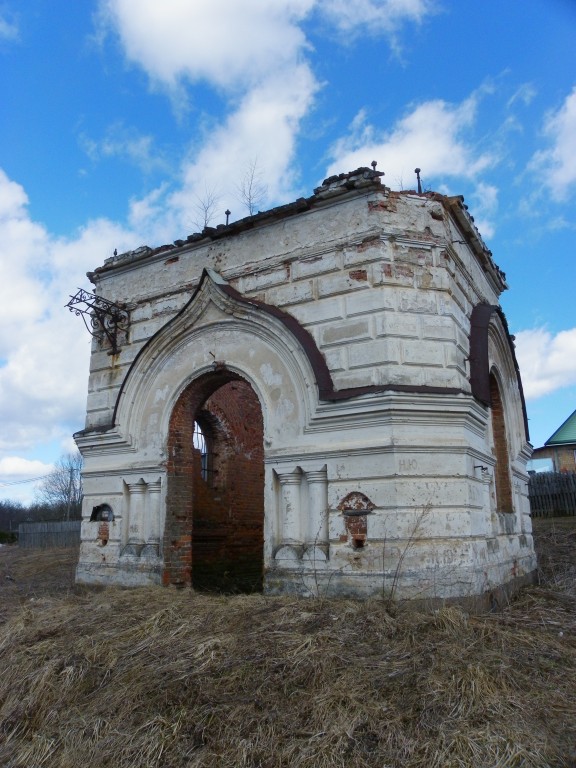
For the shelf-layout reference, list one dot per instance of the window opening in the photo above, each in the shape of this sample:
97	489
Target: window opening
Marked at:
200	443
103	512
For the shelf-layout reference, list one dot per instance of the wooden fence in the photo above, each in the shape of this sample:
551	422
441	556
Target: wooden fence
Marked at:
46	535
552	494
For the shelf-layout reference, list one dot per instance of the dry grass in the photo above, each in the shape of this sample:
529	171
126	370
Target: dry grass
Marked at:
165	679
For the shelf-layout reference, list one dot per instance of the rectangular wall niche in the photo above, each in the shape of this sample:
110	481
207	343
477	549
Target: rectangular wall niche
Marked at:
301	515
142	515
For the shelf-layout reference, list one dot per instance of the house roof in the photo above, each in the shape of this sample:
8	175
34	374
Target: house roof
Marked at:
565	434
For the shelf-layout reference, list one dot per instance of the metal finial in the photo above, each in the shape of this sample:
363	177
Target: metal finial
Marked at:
373	164
227	212
417	172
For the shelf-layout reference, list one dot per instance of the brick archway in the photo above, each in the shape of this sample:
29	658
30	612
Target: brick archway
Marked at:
214	532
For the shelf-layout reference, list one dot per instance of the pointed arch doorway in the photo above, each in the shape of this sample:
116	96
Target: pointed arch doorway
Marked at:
214	532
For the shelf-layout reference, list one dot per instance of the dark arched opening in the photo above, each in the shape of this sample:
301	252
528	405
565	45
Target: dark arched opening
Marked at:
502	469
214	532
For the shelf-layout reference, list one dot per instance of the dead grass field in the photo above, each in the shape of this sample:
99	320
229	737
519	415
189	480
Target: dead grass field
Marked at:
159	678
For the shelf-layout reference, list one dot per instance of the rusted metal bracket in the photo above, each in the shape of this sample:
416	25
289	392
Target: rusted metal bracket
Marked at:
102	318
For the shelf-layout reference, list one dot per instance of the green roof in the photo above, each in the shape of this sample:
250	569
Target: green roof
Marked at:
565	434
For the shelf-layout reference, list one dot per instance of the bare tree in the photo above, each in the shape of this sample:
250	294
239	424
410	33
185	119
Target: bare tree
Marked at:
205	208
11	514
61	490
252	190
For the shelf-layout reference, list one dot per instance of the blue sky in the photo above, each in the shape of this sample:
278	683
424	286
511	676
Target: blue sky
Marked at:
118	117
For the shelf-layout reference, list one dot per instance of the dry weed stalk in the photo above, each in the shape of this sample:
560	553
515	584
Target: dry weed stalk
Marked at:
414	535
157	678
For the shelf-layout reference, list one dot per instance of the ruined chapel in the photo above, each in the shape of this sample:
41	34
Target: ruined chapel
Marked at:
320	399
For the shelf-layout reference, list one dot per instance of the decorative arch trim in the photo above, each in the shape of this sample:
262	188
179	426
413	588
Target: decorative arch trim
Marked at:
323	378
297	331
480	319
326	390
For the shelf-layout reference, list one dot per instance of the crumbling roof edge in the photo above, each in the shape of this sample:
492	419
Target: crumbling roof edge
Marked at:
455	205
332	188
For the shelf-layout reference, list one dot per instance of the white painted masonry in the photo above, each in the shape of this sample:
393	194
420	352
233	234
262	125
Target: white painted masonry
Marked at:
373	379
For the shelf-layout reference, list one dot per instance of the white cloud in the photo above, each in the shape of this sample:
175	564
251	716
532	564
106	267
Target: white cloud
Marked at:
146	213
547	361
485	206
263	130
44	349
224	43
433	136
125	143
8	28
23	254
524	94
556	165
375	16
17	475
232	44
17	467
255	53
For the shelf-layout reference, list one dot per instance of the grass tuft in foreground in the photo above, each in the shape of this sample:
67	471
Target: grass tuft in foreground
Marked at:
159	678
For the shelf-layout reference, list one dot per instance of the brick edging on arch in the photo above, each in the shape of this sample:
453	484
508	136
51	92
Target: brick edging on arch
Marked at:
479	362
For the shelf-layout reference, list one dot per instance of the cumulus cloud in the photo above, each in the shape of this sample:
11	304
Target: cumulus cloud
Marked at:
226	44
44	351
556	165
547	361
433	135
263	130
255	54
23	243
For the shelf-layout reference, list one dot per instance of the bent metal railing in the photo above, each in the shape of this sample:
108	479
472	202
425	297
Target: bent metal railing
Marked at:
103	319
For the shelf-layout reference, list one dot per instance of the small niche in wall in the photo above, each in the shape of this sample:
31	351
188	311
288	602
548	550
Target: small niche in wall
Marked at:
102	513
355	508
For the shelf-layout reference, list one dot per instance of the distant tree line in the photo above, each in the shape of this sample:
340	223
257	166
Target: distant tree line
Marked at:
59	497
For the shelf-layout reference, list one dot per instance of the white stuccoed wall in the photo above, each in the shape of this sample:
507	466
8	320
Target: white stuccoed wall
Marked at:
385	284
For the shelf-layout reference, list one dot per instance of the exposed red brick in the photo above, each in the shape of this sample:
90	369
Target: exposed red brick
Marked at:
358	274
214	527
502	469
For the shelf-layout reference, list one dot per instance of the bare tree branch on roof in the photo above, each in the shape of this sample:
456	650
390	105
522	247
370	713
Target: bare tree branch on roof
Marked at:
252	190
204	208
